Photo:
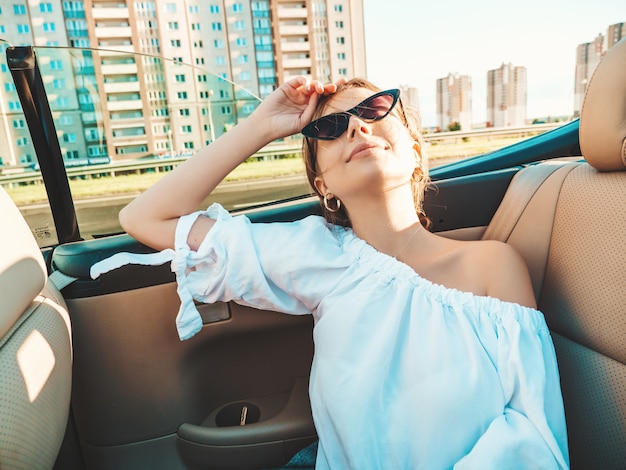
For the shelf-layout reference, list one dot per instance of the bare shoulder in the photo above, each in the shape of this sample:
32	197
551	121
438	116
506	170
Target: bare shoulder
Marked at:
504	270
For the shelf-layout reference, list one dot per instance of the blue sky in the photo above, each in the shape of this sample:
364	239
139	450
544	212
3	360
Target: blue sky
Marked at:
414	42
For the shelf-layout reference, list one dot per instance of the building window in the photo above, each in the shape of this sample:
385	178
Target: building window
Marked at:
242	59
172	25
170	7
195	26
214	9
23	29
193	8
182	95
199	60
216	26
18	124
175	42
22	142
19	9
239	25
185	129
226	110
188	145
183	112
45	7
338	8
241	42
202	78
341	56
49	27
218	43
220	60
58	83
339	24
69	138
238	7
180	78
56	65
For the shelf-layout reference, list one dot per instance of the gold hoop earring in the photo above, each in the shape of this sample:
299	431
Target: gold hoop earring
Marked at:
331	209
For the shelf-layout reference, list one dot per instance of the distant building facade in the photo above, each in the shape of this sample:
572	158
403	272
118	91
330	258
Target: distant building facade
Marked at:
119	104
506	96
454	102
410	97
588	56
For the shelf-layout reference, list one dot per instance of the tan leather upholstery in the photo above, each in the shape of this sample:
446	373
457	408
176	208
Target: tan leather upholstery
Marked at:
35	350
573	236
603	115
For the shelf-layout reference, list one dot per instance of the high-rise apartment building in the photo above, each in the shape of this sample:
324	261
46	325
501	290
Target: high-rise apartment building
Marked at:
506	96
410	97
614	34
454	102
588	56
168	76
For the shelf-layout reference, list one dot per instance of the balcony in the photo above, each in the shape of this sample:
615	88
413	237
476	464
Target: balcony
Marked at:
109	13
113	31
292	13
294	30
128	105
297	63
299	46
121	87
116	48
112	69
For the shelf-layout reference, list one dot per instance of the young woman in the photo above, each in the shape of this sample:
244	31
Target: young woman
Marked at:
429	352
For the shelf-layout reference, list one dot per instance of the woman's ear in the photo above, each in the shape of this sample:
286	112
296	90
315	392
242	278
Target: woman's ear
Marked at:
320	186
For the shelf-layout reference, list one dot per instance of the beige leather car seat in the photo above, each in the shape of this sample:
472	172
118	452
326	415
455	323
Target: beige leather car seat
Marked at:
572	233
35	350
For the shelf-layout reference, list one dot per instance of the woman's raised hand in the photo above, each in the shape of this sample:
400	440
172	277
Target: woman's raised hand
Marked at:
290	107
152	217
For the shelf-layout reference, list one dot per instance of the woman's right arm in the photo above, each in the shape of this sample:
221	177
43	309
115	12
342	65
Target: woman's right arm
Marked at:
152	217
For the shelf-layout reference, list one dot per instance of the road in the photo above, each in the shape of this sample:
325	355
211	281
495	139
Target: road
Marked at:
98	216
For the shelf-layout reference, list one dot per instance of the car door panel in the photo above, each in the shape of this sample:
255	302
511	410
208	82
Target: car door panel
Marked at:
135	381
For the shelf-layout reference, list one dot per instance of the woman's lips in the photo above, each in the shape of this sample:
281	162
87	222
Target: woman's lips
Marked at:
361	149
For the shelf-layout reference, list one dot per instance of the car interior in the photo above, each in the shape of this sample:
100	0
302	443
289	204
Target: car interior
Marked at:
95	377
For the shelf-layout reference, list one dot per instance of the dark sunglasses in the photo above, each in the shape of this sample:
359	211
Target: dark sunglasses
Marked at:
374	108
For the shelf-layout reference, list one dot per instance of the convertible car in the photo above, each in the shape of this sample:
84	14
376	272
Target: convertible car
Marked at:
93	375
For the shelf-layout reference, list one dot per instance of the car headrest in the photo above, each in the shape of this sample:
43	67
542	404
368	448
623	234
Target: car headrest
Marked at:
603	116
22	268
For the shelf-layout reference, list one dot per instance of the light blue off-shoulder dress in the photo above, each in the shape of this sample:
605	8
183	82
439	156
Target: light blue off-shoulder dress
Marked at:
406	374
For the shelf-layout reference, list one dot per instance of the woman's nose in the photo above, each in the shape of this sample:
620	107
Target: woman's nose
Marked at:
357	126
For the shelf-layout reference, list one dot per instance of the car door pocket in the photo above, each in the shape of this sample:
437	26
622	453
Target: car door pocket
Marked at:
240	413
251	433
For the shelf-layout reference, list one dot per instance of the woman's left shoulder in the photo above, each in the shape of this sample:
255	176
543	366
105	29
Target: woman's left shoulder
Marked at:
504	270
